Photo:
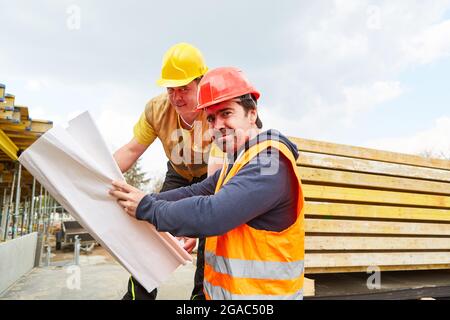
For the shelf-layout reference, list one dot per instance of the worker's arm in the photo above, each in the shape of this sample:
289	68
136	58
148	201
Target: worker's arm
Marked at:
144	135
203	188
127	155
129	197
245	197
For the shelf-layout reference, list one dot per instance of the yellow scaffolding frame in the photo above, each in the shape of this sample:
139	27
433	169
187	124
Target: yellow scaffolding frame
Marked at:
7	146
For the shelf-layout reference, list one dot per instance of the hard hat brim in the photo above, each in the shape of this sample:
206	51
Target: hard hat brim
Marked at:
255	93
172	83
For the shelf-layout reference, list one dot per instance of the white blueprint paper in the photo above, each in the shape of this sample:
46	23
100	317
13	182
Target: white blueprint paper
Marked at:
76	167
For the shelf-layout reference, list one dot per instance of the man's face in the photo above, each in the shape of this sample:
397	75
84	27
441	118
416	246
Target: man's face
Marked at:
184	98
231	126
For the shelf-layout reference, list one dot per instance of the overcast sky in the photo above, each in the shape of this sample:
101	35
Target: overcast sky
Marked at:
358	72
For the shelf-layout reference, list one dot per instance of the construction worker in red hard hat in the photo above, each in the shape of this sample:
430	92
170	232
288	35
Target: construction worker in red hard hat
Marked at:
251	211
173	119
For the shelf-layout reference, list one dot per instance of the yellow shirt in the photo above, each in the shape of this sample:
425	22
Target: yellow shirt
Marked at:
187	150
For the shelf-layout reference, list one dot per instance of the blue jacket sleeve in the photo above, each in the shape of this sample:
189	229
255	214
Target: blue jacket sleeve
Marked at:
203	188
248	195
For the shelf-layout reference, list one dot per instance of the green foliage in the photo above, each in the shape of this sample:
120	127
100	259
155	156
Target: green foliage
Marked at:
135	177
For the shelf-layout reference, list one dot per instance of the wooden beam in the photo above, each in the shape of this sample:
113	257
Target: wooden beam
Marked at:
7	146
8	101
368	154
369	166
345	178
23	144
14	127
36	126
352	243
376	227
327	193
16	115
24	140
364	269
6	114
21	133
309	289
322	260
24	115
330	210
2	92
40	126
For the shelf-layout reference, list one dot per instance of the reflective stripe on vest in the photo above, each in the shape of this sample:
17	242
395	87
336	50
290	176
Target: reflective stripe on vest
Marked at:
255	269
220	293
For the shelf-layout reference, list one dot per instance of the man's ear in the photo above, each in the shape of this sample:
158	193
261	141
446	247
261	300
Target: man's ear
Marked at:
253	115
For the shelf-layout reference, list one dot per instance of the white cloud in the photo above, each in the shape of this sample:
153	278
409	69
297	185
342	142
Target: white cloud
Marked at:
429	45
325	120
359	99
345	59
36	84
435	140
116	127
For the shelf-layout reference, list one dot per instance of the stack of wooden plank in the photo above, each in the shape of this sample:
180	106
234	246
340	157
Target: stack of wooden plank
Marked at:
370	208
2	92
17	132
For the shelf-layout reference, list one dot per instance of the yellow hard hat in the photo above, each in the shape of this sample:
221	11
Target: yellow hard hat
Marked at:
182	63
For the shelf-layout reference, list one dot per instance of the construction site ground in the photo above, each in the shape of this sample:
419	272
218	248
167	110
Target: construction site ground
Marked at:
101	278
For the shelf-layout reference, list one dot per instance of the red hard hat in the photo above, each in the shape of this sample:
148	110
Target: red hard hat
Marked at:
223	84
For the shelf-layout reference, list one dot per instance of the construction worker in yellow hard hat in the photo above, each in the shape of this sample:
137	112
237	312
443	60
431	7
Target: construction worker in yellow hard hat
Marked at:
172	118
182	64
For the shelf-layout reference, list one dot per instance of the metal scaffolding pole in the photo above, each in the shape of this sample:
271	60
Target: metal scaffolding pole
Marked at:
53	211
49	215
4	197
4	211
17	203
40	211
24	217
1	211
40	242
47	200
44	201
30	222
5	236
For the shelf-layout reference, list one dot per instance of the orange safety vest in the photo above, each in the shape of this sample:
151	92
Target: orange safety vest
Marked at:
246	263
